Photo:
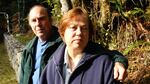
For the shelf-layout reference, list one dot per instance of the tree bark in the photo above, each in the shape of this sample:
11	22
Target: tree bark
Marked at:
65	6
104	12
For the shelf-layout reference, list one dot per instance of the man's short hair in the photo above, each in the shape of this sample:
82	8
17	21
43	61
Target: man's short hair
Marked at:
45	5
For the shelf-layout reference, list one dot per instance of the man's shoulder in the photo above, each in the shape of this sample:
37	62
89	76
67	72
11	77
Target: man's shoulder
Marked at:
55	38
31	43
96	48
54	27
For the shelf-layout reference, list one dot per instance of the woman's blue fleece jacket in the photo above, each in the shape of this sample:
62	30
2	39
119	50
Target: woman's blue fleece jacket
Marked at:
95	67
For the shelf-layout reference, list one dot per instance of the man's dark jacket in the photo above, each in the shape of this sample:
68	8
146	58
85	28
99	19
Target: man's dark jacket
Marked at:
28	56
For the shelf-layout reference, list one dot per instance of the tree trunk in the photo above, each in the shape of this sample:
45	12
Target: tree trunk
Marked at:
65	6
104	12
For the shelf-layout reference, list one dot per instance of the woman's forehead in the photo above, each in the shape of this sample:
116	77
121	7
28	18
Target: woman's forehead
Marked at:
78	18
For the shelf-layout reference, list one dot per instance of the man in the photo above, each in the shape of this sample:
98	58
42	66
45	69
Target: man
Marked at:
38	51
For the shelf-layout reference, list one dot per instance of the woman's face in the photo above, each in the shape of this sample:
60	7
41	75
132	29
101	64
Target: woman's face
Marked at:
76	35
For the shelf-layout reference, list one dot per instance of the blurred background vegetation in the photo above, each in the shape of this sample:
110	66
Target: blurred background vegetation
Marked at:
122	25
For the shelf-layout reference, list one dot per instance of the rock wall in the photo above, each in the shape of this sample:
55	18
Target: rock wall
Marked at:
14	50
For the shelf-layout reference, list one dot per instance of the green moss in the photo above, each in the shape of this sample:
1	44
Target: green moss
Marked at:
24	38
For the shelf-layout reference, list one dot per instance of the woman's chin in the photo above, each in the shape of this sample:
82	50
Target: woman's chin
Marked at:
77	47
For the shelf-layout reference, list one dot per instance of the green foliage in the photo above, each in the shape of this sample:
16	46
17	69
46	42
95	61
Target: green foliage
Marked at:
135	45
56	10
130	8
127	19
118	6
147	13
25	38
136	12
103	37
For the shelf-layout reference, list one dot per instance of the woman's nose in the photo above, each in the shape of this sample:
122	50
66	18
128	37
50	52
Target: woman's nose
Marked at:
78	31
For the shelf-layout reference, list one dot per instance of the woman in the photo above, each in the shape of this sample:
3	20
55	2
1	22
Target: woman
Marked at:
78	60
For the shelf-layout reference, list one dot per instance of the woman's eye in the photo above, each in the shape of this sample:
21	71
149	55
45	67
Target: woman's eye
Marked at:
84	29
73	28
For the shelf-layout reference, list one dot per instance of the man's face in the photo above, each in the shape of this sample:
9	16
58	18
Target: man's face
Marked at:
39	22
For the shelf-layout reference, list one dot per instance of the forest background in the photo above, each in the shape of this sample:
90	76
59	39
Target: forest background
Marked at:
122	25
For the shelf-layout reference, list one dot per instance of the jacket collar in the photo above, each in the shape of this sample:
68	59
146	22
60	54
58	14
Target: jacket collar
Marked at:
53	39
91	51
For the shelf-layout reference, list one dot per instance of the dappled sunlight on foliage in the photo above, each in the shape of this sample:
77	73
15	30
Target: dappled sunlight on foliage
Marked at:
122	25
139	65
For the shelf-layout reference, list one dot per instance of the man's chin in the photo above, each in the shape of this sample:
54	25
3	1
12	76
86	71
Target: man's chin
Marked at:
40	35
